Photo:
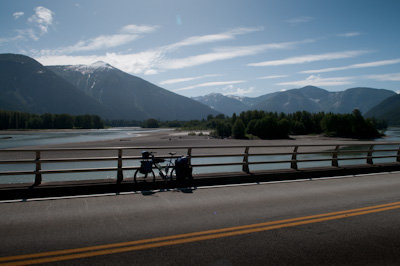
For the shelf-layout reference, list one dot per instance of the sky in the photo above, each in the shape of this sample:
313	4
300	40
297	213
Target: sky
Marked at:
234	47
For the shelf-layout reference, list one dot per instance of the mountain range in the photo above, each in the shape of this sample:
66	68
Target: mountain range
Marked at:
28	86
99	88
309	98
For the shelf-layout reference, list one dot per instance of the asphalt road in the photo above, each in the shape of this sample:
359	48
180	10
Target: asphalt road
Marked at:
341	221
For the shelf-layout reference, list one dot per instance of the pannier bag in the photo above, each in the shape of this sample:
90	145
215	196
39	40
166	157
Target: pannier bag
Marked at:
182	168
145	167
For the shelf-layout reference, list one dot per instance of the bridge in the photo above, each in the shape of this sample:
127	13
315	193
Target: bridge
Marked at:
283	216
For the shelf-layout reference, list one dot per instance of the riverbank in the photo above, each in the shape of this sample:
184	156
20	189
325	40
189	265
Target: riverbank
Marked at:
188	138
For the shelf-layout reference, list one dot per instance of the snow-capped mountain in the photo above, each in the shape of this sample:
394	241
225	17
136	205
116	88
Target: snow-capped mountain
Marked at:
88	69
131	97
28	86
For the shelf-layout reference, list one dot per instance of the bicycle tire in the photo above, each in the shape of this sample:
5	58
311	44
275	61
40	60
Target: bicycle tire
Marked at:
139	175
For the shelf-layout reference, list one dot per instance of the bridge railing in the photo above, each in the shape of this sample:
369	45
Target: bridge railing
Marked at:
247	158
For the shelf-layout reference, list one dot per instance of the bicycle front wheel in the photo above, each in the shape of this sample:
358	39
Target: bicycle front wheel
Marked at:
144	177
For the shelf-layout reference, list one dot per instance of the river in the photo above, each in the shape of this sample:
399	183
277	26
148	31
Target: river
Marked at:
46	137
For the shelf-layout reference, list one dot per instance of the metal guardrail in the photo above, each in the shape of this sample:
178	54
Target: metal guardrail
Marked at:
292	155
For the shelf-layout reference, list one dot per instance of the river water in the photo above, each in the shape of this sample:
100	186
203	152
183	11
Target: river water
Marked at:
26	139
43	137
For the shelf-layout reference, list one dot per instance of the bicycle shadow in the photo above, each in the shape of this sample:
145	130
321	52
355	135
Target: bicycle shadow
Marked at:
186	190
147	192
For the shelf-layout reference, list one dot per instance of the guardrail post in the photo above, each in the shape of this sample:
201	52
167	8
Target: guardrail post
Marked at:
38	175
245	167
120	174
398	156
369	155
293	164
335	157
189	154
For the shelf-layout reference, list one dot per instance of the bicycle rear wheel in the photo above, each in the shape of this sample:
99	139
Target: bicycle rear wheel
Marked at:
148	176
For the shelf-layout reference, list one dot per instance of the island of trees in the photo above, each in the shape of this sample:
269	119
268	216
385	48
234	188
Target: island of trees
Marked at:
268	125
246	125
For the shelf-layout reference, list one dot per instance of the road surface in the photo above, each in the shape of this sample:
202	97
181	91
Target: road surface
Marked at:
338	221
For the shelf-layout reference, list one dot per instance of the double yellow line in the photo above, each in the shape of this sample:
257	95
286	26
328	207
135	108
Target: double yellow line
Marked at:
86	252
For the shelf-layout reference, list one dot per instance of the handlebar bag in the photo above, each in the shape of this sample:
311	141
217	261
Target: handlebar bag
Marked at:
145	154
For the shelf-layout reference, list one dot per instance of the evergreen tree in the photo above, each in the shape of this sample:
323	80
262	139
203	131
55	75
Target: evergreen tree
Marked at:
238	129
151	123
223	129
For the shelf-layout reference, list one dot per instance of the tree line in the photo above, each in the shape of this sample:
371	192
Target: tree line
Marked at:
269	125
21	120
246	125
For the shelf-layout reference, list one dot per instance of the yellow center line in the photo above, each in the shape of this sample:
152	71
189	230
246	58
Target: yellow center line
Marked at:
85	252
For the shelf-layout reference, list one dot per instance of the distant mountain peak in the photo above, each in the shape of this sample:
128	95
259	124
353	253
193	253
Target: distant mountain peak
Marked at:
88	69
100	64
309	98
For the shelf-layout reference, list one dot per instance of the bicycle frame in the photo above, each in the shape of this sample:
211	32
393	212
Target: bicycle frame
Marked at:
168	168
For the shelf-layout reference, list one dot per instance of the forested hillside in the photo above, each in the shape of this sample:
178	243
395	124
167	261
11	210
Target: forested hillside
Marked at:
388	110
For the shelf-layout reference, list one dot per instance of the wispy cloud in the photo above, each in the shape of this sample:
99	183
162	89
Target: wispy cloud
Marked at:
97	43
138	29
126	35
16	15
311	58
274	77
210	38
319	81
218	54
18	37
230	90
225	53
180	80
349	34
43	18
211	84
384	77
355	66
